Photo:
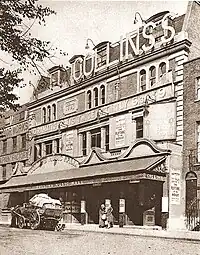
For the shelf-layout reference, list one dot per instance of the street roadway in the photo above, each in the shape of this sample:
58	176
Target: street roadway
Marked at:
70	242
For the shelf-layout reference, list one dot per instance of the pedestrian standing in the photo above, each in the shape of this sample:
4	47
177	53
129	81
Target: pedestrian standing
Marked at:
102	216
109	214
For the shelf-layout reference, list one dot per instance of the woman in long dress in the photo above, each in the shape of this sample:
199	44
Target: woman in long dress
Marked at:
109	214
102	216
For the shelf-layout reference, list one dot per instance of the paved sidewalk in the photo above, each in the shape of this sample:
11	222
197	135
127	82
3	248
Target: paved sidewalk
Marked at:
156	232
137	231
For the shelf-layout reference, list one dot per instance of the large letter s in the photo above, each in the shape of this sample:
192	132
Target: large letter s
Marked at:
166	27
150	37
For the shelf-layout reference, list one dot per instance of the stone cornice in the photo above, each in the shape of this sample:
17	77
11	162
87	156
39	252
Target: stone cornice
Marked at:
112	71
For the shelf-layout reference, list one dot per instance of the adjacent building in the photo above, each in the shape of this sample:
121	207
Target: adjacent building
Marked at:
109	128
191	146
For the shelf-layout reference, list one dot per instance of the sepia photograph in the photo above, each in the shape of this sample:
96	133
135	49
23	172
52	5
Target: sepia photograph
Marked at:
99	127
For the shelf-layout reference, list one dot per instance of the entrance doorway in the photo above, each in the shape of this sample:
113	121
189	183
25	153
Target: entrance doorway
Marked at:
143	203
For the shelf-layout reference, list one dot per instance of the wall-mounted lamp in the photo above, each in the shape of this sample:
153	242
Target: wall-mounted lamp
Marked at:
101	113
87	43
140	16
62	125
146	104
29	136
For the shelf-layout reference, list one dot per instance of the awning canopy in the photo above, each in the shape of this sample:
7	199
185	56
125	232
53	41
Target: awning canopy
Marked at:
142	168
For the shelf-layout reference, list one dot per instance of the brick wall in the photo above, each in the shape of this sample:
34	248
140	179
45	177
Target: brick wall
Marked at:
127	86
191	26
191	110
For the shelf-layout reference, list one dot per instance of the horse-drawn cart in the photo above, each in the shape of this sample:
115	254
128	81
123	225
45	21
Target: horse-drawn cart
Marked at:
42	212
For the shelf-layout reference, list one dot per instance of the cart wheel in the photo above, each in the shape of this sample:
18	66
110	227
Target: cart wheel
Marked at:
20	222
35	220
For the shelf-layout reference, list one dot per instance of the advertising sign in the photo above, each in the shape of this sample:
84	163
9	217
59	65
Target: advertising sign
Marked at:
120	131
69	140
122	205
175	187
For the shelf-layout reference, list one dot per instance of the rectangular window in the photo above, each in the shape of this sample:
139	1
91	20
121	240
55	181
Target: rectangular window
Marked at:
142	80
107	138
15	143
23	141
54	79
139	127
57	145
84	144
198	142
4	146
48	147
22	115
37	151
198	88
101	58
4	172
96	138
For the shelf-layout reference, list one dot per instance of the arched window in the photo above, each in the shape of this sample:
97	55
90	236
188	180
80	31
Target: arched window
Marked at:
89	99
191	189
162	69
152	75
54	111
44	113
142	80
102	89
95	96
49	113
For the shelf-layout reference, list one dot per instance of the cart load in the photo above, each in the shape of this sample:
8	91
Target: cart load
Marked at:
42	212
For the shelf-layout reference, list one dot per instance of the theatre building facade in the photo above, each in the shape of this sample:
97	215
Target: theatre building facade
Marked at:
109	129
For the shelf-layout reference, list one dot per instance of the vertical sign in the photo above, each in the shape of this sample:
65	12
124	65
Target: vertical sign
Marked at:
122	205
83	206
165	203
175	187
120	131
69	137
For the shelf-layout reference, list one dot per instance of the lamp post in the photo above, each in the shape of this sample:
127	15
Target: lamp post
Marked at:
87	43
140	16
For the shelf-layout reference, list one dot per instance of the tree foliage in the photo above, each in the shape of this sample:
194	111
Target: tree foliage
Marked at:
17	41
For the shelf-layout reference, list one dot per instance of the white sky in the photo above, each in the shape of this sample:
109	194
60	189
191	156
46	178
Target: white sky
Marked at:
99	20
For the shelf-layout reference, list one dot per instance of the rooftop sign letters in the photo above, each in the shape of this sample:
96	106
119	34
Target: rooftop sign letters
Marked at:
137	42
